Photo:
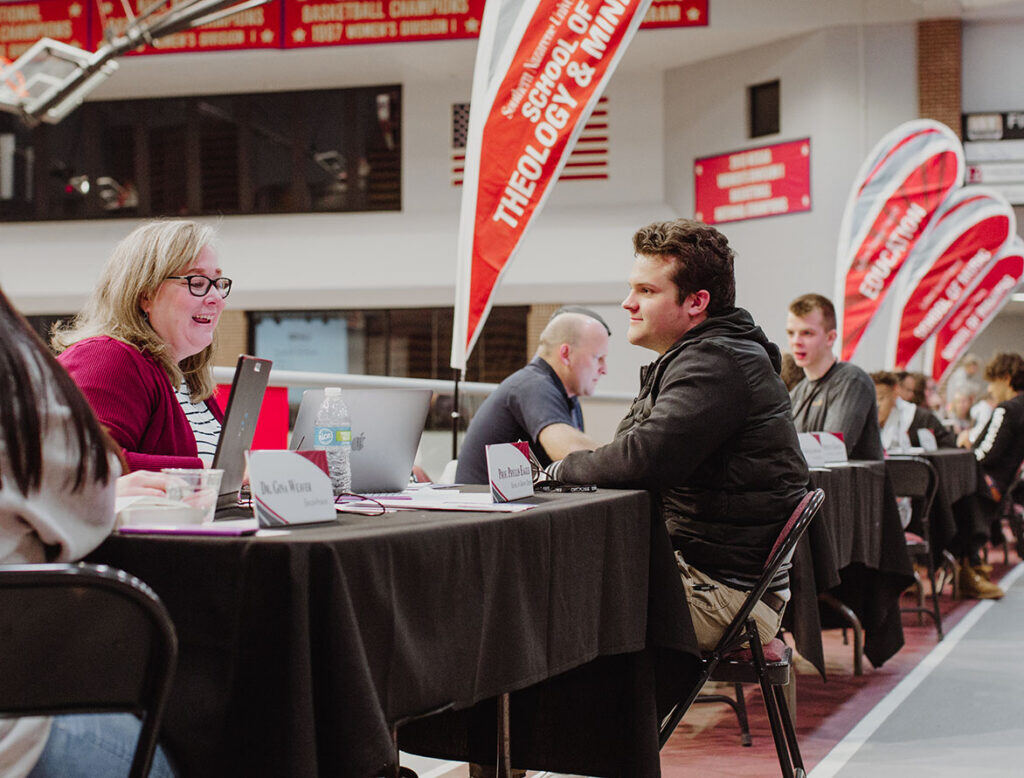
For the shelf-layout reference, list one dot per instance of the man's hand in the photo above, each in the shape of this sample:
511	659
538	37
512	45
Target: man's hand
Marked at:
558	440
963	440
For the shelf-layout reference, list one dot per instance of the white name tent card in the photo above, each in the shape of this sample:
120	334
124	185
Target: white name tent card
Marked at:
288	488
832	447
811	449
509	471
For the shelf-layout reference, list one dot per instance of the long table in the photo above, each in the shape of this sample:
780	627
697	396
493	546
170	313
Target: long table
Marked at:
855	552
301	648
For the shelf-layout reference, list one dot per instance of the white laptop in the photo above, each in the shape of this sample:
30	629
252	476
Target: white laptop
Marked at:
386	429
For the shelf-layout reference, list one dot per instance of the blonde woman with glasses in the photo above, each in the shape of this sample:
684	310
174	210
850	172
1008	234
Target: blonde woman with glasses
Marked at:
141	350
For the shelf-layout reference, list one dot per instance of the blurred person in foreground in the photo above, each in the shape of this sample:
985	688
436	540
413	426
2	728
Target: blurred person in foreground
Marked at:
58	481
834	396
141	350
540	402
1000	446
900	421
710	432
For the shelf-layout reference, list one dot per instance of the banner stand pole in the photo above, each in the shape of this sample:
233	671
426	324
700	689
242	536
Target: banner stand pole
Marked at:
455	415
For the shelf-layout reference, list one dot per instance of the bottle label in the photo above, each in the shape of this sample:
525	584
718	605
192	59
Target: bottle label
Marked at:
326	437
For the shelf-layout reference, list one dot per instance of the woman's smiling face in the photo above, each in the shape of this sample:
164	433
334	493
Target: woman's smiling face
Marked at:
183	321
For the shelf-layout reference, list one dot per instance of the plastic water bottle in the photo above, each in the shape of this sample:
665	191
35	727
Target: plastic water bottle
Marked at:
333	434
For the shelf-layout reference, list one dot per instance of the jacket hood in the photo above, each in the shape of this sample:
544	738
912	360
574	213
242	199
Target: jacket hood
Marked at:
733	323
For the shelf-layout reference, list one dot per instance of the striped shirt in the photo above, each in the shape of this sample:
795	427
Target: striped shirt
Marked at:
204	424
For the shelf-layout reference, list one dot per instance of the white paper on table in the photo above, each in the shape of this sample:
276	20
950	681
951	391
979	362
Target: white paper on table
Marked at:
438	500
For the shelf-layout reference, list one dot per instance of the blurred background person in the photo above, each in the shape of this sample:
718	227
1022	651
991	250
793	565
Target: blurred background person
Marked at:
900	421
142	348
966	379
58	481
912	387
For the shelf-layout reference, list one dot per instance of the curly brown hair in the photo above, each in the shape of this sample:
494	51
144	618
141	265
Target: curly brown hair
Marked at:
1006	365
701	255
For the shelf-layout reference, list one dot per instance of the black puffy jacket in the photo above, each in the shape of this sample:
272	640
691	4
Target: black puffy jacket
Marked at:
711	435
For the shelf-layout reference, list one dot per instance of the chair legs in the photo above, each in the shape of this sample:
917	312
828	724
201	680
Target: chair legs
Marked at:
858	630
783	732
739	707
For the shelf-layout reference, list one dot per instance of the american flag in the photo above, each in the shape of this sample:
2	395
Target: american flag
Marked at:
588	161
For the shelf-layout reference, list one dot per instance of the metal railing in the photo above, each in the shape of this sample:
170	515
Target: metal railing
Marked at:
222	375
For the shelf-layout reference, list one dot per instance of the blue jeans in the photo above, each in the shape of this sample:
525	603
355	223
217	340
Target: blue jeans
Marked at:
93	744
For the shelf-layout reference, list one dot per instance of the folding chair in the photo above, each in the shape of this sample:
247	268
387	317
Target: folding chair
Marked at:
1011	499
915	477
767	665
85	639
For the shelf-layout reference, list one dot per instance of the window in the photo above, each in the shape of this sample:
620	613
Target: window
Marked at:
763	102
273	152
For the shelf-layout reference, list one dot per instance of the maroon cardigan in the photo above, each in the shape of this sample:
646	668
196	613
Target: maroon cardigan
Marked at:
133	398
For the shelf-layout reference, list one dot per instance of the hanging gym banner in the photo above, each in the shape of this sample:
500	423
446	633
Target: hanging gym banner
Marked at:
976	310
893	199
541	66
969	230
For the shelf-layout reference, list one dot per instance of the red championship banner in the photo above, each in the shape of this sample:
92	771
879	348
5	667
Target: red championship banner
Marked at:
976	310
255	28
893	199
327	23
22	24
765	181
536	80
970	229
676	13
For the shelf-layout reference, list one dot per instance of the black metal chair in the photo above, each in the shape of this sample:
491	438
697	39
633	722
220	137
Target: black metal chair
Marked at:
767	665
85	638
1011	498
915	477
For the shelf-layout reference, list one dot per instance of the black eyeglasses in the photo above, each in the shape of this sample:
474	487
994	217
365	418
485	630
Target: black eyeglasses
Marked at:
199	286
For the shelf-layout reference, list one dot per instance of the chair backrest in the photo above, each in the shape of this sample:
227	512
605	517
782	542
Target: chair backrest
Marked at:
794	529
85	638
914	477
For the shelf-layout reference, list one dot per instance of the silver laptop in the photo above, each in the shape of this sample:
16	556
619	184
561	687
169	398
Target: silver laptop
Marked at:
247	389
386	429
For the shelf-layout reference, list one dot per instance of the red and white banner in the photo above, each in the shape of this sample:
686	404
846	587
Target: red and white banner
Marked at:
894	197
255	28
748	184
22	24
976	310
541	66
969	230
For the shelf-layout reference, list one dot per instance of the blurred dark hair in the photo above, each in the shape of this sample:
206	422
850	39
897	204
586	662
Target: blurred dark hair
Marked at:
884	378
702	259
791	372
27	372
1006	365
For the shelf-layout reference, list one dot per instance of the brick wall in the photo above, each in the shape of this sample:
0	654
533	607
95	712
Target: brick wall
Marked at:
232	338
536	321
939	61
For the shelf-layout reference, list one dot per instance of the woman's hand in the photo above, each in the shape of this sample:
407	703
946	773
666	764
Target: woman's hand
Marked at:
145	482
963	440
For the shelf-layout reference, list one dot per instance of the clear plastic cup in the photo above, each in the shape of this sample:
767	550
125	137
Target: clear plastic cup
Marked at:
199	490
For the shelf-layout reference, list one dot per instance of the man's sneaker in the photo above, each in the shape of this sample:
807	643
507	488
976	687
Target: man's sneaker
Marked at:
974	586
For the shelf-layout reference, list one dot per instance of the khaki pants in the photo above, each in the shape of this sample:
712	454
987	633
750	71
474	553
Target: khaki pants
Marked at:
713	609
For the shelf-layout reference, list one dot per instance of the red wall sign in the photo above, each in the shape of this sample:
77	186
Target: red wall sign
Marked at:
257	28
748	184
22	24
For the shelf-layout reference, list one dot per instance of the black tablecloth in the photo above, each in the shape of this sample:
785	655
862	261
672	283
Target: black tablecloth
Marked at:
854	550
299	648
956	518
